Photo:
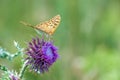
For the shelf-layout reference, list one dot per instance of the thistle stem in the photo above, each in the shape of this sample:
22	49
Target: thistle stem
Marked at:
3	68
23	70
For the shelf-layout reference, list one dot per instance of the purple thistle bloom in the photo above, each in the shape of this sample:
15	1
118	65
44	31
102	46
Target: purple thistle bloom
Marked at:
13	77
41	55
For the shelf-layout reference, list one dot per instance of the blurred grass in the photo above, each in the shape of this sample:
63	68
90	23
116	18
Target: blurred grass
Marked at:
88	36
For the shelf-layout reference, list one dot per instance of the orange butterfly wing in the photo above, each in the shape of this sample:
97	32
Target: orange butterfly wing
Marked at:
49	26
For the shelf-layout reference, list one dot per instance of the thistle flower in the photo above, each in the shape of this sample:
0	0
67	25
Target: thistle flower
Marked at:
41	55
13	77
10	75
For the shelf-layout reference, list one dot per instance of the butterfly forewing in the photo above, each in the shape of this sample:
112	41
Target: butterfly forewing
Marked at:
49	26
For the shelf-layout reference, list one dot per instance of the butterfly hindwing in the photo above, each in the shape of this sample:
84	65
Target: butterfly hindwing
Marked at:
49	26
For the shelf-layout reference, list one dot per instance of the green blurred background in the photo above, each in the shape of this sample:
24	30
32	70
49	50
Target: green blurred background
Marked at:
88	36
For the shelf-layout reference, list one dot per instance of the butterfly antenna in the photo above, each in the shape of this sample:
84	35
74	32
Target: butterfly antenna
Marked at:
26	24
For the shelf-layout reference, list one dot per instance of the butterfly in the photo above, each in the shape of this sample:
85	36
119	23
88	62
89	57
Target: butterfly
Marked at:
49	26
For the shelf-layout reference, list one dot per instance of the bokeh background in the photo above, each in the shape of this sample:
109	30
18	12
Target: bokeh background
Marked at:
88	36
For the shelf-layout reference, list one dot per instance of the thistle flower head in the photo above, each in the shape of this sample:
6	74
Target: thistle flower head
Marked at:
41	55
13	76
10	75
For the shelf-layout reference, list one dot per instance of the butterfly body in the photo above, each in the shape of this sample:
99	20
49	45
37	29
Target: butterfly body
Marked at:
49	26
